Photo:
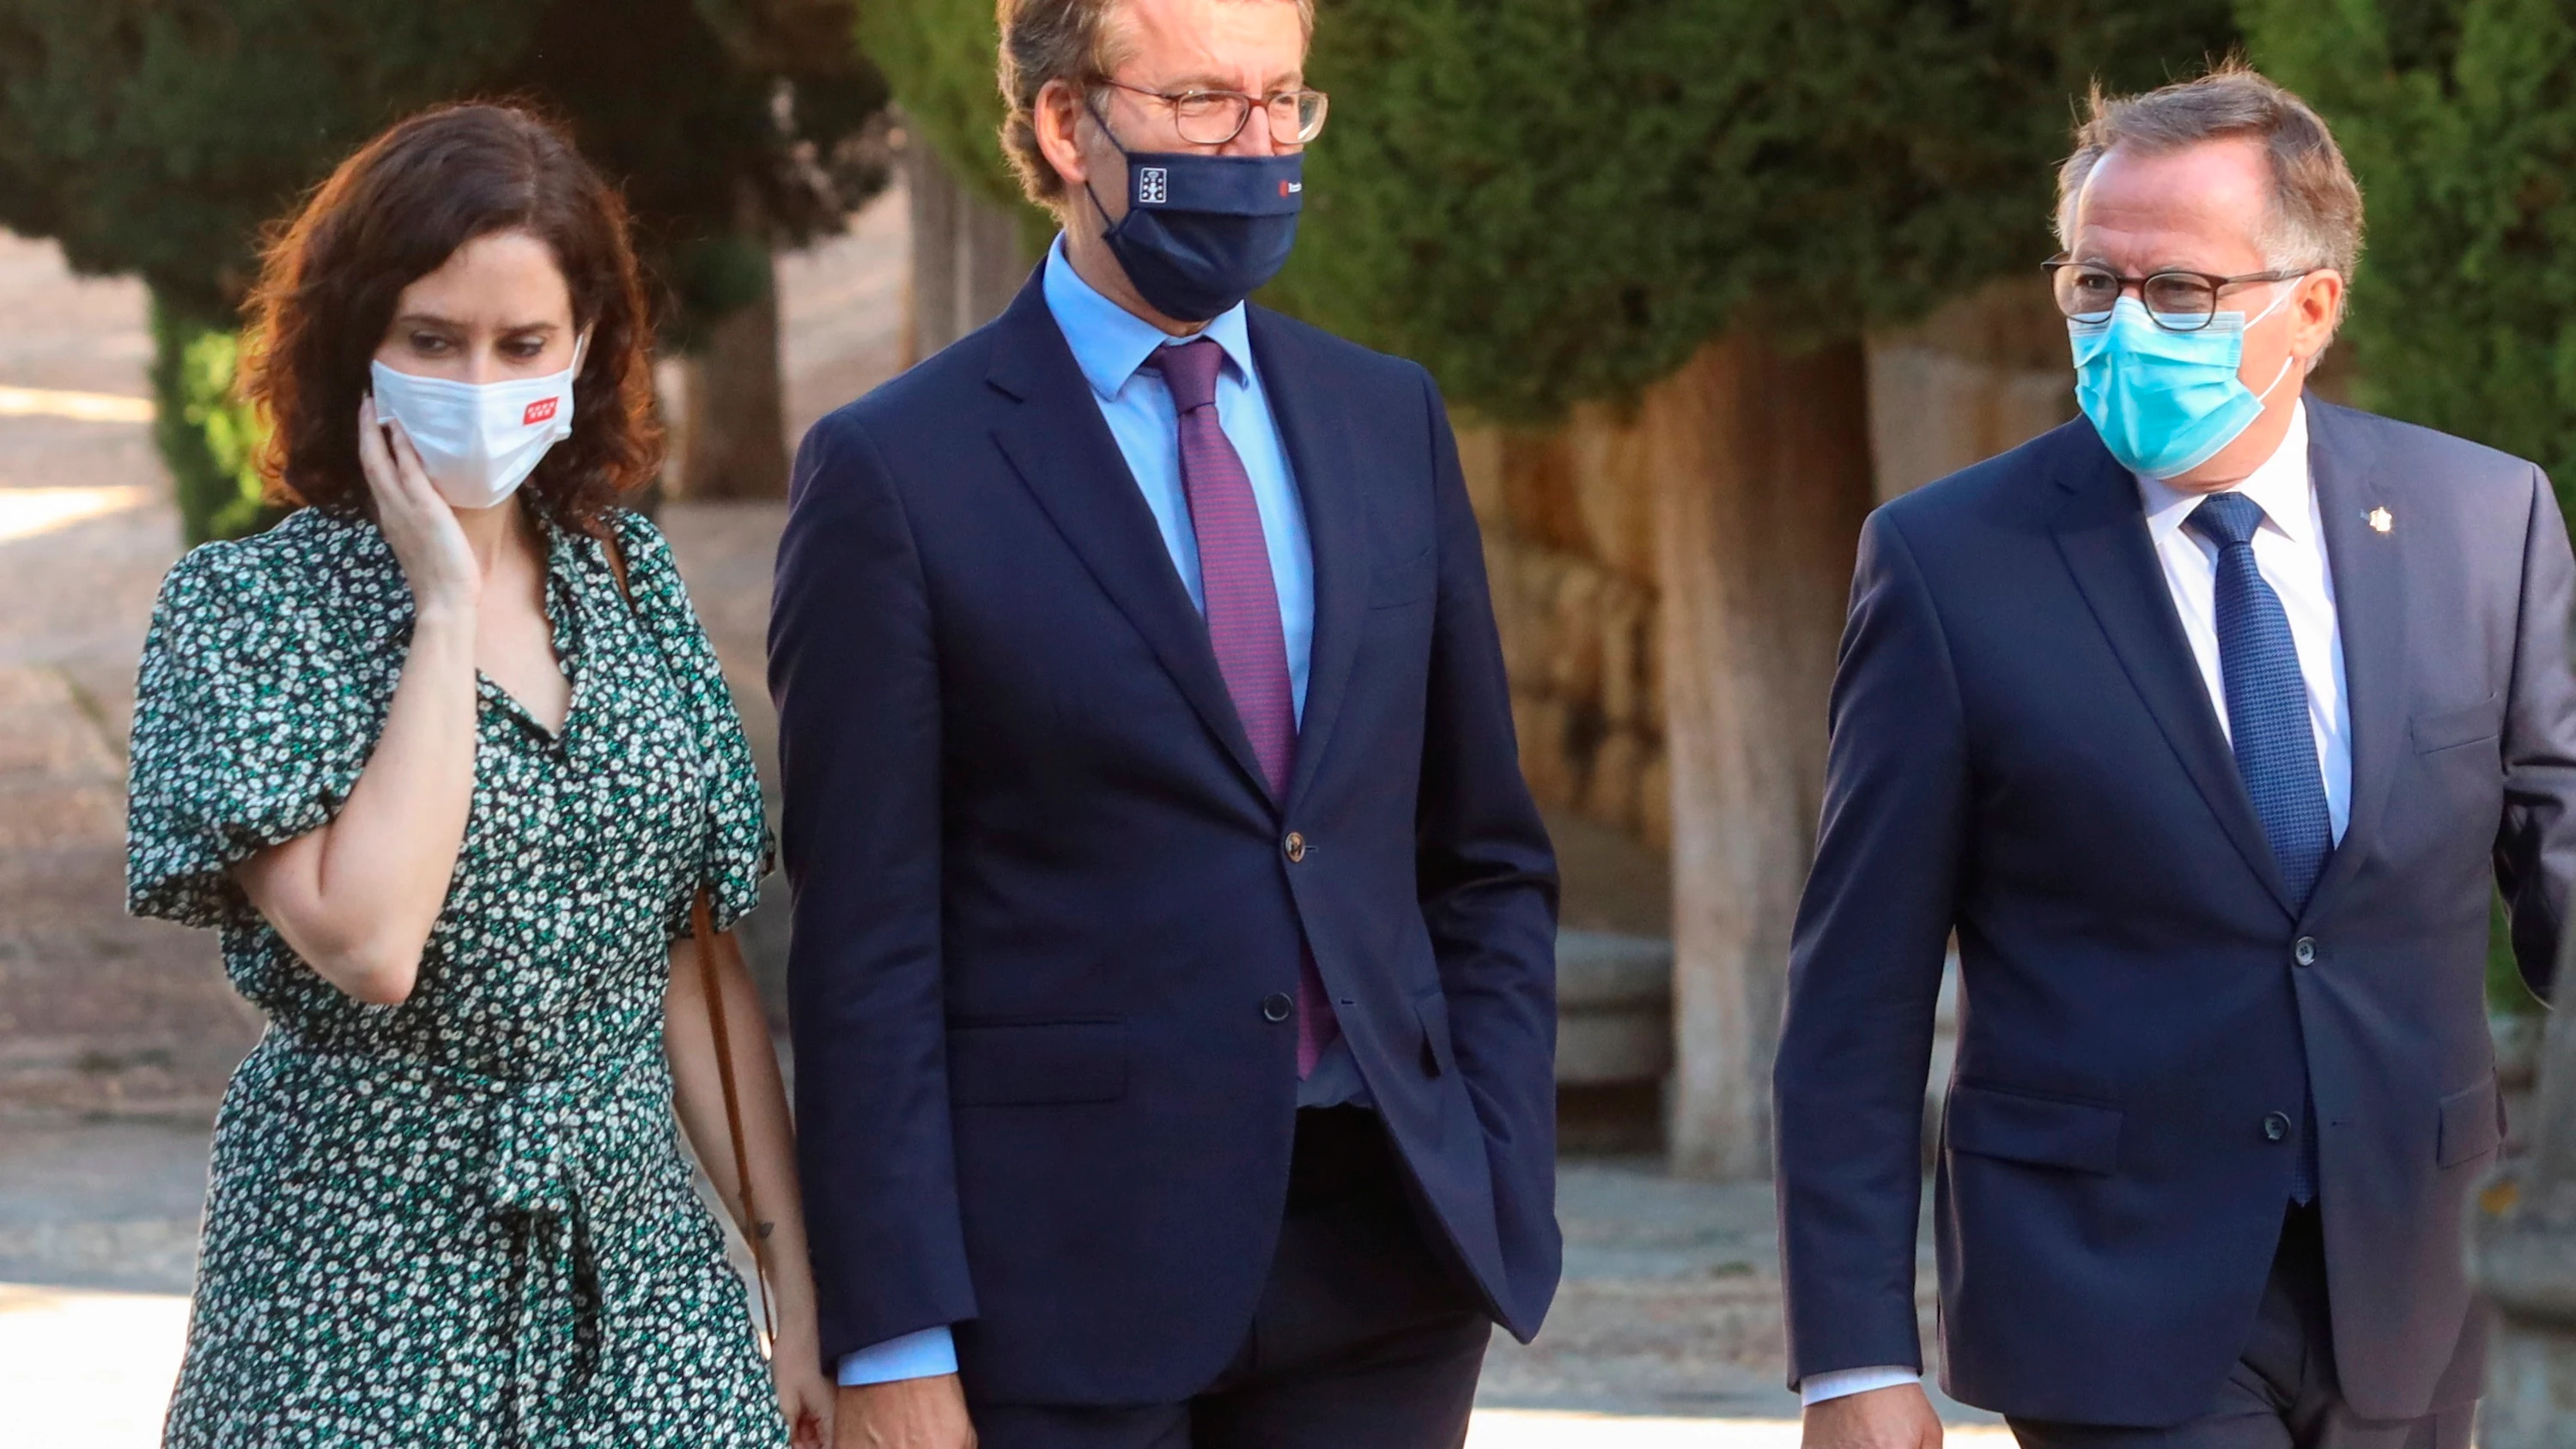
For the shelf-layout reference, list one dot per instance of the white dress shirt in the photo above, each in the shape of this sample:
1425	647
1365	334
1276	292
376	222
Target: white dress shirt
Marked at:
2290	552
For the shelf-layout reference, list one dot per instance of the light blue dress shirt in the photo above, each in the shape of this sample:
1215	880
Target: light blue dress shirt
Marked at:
1110	344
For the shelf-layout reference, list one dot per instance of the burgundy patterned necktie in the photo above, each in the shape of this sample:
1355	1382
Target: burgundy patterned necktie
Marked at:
1242	612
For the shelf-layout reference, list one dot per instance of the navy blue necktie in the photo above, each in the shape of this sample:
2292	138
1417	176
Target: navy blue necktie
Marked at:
2267	723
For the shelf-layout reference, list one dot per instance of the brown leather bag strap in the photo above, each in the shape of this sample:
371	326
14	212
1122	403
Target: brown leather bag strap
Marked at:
711	981
756	1229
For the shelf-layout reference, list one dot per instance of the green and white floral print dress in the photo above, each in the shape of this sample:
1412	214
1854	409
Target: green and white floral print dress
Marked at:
466	1219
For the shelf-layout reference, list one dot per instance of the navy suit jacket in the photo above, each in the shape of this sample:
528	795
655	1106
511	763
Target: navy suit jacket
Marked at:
1042	895
2024	753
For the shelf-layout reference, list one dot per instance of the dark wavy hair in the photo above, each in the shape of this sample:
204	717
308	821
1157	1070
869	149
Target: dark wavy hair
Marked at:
395	212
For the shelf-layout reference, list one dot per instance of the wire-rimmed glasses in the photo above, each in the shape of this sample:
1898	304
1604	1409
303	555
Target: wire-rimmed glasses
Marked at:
1212	118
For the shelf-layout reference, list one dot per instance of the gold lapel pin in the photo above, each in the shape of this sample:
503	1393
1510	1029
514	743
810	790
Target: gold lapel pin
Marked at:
2380	521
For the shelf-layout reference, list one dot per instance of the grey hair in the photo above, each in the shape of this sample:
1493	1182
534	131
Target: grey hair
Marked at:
2315	216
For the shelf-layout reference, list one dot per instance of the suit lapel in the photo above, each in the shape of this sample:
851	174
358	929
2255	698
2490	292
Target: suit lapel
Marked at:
1327	479
2102	534
1062	450
2370	614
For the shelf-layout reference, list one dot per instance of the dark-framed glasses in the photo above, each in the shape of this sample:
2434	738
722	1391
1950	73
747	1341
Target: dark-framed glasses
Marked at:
1212	118
2178	301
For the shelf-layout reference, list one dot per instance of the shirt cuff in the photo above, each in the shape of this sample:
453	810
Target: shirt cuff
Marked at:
1814	1388
923	1355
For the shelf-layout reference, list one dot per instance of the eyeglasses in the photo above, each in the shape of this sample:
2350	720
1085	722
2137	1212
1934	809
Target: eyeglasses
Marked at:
1212	118
2179	301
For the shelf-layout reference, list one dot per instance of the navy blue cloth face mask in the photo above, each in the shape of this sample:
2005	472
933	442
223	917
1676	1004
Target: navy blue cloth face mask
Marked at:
1201	232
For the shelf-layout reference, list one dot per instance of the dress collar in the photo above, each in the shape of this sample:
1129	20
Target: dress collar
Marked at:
1109	342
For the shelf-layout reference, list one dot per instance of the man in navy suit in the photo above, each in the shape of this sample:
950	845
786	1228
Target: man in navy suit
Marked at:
2207	725
1173	975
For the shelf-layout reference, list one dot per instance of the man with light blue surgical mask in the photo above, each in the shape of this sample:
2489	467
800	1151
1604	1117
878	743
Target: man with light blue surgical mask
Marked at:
2206	725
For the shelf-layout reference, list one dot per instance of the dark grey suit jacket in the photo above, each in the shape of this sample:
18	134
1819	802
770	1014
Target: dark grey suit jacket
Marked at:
2024	753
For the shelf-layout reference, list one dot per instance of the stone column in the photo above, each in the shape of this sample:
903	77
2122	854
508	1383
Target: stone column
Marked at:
733	436
2523	1256
967	256
1761	477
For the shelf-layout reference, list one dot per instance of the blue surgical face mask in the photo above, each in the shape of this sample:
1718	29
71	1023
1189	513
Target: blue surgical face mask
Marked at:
2166	402
1201	232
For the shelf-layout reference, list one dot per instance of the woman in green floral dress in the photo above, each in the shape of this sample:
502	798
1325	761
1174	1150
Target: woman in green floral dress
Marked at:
448	761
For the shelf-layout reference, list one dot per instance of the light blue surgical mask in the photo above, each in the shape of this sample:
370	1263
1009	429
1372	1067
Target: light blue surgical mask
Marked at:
2166	402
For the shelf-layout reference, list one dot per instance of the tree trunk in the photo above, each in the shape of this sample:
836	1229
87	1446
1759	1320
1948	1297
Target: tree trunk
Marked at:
733	440
967	260
1762	477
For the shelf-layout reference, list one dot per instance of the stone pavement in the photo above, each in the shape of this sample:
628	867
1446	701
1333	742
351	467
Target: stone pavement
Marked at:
1667	1331
97	1012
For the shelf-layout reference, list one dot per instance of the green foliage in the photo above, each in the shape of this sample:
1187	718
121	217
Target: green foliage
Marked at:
938	56
208	437
1553	200
2459	116
158	137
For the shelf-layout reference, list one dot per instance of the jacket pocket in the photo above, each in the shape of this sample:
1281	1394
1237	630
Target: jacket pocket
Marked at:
1431	1009
2450	728
2044	1131
2472	1124
1034	1063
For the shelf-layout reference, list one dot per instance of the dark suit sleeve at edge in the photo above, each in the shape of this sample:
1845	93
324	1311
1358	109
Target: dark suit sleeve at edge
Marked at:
855	675
1486	876
2535	851
1865	972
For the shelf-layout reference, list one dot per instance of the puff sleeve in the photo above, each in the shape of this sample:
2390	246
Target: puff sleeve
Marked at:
247	733
737	850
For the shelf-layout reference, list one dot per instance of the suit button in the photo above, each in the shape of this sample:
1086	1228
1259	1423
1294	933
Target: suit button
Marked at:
2276	1127
1295	845
1276	1006
2305	951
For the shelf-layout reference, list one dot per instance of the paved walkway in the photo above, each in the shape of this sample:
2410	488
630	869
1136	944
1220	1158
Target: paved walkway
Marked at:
1667	1331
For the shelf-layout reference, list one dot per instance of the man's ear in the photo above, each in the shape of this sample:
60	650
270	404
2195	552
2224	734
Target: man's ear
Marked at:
2319	305
1057	119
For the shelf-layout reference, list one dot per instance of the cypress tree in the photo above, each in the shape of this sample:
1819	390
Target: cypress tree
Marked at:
2459	118
156	137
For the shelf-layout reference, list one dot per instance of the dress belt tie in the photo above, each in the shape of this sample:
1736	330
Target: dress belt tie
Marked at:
538	1185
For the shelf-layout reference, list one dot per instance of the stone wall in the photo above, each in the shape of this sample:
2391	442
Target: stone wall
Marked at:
1571	558
1982	375
1570	545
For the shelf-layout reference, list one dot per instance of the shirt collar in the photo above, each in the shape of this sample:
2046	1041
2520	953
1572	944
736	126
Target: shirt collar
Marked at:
1109	342
2280	487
